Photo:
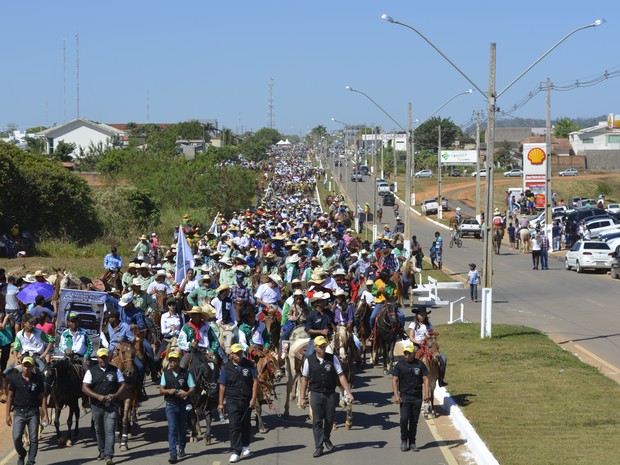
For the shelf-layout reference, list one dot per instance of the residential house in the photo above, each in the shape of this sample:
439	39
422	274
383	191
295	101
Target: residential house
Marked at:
599	144
81	132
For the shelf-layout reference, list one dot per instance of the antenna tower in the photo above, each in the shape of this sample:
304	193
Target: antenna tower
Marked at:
271	123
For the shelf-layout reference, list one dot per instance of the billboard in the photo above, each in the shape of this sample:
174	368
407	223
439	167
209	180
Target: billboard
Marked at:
458	157
535	172
89	306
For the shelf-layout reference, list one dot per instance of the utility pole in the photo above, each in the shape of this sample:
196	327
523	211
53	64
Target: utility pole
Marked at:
408	181
477	213
548	193
439	201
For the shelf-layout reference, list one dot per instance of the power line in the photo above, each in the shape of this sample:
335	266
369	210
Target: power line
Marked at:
564	87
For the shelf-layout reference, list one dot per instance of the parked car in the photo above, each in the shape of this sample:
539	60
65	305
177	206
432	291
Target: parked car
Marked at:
585	203
513	174
389	200
364	170
432	206
588	254
356	177
379	181
598	226
470	227
455	173
613	208
615	265
572	202
569	172
424	174
483	174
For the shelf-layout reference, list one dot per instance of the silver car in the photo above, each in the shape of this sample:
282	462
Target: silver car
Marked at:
588	254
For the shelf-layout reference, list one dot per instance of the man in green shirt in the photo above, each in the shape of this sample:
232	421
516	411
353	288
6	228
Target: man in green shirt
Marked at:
203	293
129	276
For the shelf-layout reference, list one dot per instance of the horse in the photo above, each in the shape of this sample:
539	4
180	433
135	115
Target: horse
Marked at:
346	351
408	269
271	317
362	314
112	279
387	332
498	235
130	397
65	383
298	343
267	366
205	398
431	356
227	334
397	279
524	239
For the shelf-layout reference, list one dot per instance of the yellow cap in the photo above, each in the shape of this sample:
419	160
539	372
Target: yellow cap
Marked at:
320	340
28	360
236	348
409	347
103	352
174	354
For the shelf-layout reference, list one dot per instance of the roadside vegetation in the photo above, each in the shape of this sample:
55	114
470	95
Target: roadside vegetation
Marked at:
530	401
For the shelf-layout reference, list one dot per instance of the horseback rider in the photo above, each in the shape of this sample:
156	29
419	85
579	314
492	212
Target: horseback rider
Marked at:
225	311
458	218
320	321
384	289
75	342
196	334
119	331
293	316
253	333
203	293
170	326
31	342
418	333
129	276
113	262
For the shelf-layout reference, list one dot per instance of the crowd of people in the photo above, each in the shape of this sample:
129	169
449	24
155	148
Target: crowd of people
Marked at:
285	257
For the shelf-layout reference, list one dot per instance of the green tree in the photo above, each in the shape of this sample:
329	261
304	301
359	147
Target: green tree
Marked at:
503	155
128	211
563	127
64	151
112	162
44	197
426	135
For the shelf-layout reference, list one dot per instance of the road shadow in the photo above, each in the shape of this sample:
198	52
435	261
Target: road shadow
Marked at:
450	444
460	400
278	449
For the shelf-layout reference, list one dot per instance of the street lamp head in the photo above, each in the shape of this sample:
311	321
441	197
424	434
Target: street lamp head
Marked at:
598	22
469	91
349	88
333	119
387	18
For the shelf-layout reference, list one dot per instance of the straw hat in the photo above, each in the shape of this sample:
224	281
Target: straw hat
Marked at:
293	258
369	282
225	261
208	311
339	292
39	273
143	237
194	310
222	287
276	279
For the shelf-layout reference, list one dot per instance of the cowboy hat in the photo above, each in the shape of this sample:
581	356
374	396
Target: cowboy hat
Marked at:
143	237
28	279
208	311
293	258
160	274
136	282
126	300
222	287
270	255
369	282
225	261
135	265
496	212
144	266
204	268
298	292
194	310
114	292
339	292
276	279
38	273
320	296
204	278
339	271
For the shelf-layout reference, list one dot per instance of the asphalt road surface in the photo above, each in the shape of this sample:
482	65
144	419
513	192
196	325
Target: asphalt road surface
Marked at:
373	438
579	311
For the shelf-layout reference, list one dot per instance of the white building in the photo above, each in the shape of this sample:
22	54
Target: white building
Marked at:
82	133
604	136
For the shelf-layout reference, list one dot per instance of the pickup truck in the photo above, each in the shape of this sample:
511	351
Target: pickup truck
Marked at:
383	188
431	205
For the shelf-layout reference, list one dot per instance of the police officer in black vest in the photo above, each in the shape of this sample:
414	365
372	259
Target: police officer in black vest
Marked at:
104	383
26	395
323	372
239	386
410	385
177	384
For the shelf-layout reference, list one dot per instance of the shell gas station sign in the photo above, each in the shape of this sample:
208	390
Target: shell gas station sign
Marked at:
535	172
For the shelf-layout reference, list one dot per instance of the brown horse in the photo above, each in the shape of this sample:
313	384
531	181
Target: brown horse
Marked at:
112	279
123	360
431	356
397	279
387	331
267	367
498	235
362	314
271	317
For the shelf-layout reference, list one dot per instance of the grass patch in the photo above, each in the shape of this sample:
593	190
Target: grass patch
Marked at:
531	401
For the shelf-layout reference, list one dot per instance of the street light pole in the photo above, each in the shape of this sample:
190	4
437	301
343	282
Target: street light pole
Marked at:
491	97
548	193
439	200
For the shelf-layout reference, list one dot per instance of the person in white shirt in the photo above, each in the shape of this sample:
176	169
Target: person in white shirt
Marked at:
12	306
269	292
417	331
159	284
224	309
171	323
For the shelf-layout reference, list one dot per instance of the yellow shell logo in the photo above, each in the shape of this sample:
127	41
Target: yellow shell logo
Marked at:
536	156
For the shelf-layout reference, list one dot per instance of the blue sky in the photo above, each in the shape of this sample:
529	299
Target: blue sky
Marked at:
207	59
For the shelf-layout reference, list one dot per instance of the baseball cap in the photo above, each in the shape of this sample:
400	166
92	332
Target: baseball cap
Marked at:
73	316
28	360
320	340
174	354
236	348
409	347
103	352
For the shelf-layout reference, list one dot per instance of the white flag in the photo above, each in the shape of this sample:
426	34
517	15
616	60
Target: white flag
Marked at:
213	228
185	257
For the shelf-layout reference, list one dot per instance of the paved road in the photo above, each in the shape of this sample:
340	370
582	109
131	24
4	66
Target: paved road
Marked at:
582	308
373	438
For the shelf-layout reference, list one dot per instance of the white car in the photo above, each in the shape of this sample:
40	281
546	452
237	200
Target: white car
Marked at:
613	208
483	174
569	172
424	174
588	254
512	174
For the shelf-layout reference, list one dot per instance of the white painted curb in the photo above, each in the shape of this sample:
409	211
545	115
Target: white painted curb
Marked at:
476	445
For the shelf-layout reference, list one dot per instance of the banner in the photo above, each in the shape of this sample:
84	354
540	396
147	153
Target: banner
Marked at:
535	171
185	257
458	157
89	307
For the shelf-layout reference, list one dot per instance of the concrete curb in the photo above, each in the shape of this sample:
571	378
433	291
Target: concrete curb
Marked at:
475	444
